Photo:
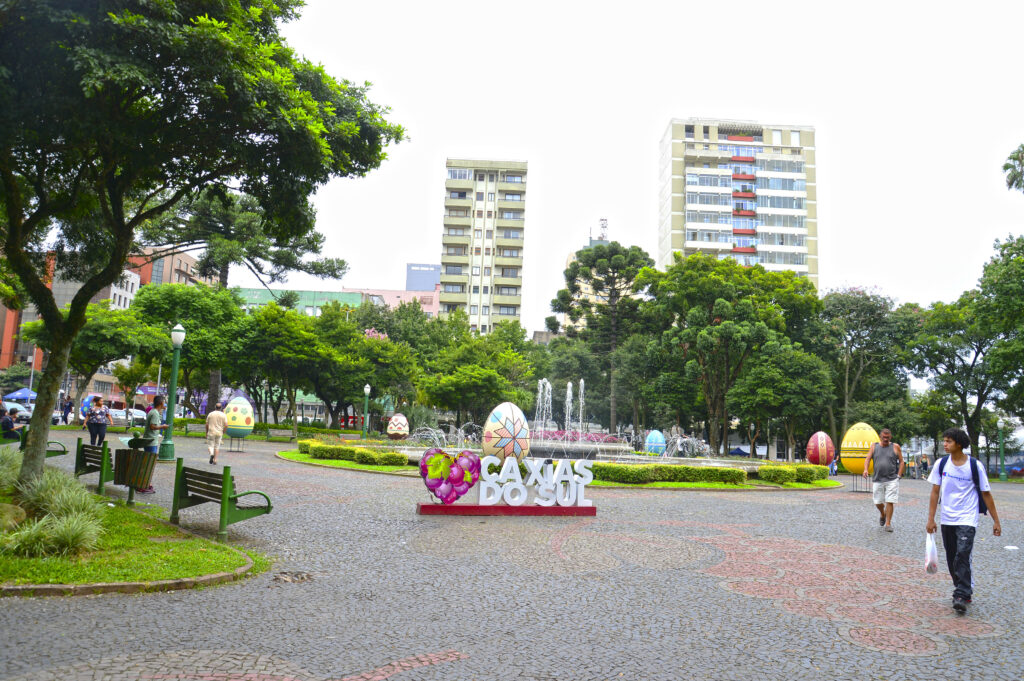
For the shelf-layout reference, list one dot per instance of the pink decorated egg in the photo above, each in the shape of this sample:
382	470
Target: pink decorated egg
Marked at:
820	450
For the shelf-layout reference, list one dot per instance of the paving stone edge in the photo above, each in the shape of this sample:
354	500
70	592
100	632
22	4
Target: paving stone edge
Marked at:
33	590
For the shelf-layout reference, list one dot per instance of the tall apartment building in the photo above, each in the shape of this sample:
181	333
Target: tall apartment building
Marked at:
482	243
739	189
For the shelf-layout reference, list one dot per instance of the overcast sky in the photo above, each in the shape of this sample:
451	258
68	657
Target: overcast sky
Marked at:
916	106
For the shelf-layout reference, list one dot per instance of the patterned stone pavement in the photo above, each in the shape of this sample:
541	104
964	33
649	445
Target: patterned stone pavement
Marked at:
660	585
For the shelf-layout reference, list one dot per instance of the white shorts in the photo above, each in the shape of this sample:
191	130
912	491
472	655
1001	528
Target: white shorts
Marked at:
886	492
213	442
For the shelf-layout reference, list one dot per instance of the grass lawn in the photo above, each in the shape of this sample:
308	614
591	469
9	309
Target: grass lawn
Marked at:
127	554
295	455
816	484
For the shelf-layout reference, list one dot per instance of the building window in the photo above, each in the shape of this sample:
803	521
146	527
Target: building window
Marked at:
513	197
777	138
509	252
456	250
486	309
453	269
476	289
511	215
794	138
487	251
480	177
483	328
479	213
454	288
486	289
456	231
458	212
479	196
450	307
490	213
476	250
510	272
490	234
490	196
507	309
309	310
476	233
487	271
507	290
457	195
460	174
688	132
476	270
512	234
514	178
491	177
472	309
707	132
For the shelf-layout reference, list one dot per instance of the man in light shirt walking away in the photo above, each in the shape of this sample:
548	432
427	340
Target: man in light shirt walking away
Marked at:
885	491
216	423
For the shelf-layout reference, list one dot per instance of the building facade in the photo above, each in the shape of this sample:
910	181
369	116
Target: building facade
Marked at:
311	303
422	277
742	190
177	268
482	242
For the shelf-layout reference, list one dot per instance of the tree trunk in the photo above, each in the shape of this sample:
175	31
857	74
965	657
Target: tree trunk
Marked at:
46	399
79	394
291	407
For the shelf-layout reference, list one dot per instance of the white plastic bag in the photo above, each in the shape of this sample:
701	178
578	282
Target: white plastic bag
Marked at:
931	554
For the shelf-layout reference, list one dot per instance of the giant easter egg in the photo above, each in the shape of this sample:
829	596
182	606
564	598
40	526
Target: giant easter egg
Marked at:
820	450
655	443
241	418
856	445
506	433
398	427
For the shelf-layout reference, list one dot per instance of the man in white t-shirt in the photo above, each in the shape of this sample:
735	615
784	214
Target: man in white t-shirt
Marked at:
957	479
216	423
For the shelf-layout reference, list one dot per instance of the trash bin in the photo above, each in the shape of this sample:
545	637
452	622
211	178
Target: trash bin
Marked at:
134	468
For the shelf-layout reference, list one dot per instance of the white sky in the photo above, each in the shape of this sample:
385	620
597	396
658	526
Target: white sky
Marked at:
916	106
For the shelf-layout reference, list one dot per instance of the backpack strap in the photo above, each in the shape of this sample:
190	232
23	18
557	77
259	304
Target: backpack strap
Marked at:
975	476
942	466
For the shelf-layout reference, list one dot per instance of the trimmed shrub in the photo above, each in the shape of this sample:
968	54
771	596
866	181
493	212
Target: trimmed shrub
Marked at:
635	474
38	493
319	451
809	472
777	474
304	445
367	457
393	459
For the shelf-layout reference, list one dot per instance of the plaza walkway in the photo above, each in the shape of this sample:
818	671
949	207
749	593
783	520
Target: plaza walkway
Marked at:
662	584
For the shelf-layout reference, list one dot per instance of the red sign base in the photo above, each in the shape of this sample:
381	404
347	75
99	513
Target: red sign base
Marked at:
504	509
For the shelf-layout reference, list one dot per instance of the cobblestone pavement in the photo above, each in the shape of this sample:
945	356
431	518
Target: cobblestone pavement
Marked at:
660	585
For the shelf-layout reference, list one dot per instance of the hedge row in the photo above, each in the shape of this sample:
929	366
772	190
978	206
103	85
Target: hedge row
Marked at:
636	474
357	454
781	474
261	427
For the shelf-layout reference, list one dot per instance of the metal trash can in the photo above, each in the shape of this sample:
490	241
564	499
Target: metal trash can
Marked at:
134	468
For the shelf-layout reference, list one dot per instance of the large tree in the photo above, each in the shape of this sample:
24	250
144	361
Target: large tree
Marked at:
599	287
111	112
108	336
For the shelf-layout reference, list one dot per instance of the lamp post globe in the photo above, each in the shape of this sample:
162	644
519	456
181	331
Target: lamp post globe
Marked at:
366	407
166	452
1002	438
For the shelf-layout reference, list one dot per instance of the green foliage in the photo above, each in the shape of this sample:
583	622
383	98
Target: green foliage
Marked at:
37	495
367	457
304	445
635	474
14	377
323	451
393	459
777	474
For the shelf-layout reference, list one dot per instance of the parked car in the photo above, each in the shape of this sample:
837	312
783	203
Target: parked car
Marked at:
56	418
119	416
138	417
24	413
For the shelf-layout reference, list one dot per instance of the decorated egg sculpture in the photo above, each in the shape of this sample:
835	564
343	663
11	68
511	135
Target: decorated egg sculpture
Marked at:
398	427
655	443
506	433
856	445
241	418
820	450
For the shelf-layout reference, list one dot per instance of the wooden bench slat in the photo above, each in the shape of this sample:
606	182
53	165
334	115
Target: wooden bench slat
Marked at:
200	488
194	474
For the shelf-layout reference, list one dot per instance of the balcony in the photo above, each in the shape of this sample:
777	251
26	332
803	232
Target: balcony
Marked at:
458	220
506	300
454	278
456	240
449	202
740	138
505	261
742	159
504	281
518	187
743	176
744	195
458	298
738	231
509	222
447	259
745	213
744	249
508	243
458	185
505	204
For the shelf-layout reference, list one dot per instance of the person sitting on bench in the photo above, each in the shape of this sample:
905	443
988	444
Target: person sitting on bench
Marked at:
8	430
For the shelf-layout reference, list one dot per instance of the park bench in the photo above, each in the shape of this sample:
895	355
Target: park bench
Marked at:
280	432
193	486
94	459
53	448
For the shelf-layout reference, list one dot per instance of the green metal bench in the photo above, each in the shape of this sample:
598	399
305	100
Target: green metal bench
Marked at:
92	459
53	448
194	486
280	432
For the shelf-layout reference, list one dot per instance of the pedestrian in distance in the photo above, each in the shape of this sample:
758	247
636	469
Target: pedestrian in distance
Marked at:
8	429
961	482
66	407
885	490
97	419
216	423
154	425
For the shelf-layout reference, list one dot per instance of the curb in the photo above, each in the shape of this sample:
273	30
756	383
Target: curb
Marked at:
33	590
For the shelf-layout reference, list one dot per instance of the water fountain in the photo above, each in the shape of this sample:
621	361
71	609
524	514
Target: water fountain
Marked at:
574	441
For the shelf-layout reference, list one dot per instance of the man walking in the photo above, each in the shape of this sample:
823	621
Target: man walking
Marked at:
888	458
216	422
962	484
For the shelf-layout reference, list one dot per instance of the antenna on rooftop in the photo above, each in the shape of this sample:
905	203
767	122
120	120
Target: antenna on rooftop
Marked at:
603	234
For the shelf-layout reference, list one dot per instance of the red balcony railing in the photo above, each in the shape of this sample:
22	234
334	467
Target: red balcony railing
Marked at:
744	213
743	159
744	249
740	138
739	231
743	176
744	195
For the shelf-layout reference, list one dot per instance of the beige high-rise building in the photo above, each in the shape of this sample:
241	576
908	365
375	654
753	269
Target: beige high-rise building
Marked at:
739	189
482	244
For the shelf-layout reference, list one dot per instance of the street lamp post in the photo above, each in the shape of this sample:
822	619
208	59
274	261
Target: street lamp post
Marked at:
366	406
1002	463
167	446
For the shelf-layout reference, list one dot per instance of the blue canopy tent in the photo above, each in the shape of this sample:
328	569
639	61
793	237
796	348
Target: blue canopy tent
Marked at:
736	451
21	394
